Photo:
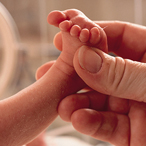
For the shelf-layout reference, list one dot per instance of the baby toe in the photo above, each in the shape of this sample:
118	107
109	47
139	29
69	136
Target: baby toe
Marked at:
56	17
84	35
75	30
94	36
65	25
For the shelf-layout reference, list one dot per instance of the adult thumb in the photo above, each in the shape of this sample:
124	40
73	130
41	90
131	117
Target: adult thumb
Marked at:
109	75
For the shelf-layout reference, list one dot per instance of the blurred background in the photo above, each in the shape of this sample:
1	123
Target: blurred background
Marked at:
33	37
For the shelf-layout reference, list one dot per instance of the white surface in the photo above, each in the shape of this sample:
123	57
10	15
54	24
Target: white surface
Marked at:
65	141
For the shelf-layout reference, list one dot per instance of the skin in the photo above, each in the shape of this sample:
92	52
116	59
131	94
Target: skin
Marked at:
76	30
26	114
88	32
29	112
106	117
39	141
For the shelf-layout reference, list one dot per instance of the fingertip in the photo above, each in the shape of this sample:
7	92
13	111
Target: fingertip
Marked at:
70	104
63	112
86	121
58	41
41	71
89	60
37	76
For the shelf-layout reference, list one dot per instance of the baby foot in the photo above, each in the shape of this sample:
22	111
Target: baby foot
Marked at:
77	30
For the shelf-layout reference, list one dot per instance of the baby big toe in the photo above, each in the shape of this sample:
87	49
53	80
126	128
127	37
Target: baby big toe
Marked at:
56	17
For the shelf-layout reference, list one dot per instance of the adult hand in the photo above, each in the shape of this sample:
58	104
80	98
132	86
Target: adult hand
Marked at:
115	111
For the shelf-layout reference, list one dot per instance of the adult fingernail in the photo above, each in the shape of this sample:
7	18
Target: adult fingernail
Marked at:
89	59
